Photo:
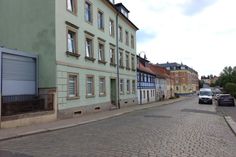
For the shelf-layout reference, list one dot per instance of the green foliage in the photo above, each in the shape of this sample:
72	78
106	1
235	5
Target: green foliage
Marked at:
231	88
228	75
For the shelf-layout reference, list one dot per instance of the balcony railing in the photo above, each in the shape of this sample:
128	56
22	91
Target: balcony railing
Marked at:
20	104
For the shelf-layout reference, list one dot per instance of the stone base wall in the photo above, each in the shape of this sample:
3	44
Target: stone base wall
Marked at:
82	110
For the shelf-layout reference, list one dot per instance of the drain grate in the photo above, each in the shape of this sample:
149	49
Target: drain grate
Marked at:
198	111
157	116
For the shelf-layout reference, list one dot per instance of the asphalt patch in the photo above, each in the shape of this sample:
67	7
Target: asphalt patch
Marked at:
198	111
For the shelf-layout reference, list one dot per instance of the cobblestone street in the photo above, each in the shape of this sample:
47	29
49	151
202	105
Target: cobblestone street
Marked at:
183	129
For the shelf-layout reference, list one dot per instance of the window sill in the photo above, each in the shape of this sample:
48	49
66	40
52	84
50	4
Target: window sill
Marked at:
90	96
113	64
89	22
72	54
102	95
72	12
101	29
102	62
122	67
73	98
127	68
122	93
90	59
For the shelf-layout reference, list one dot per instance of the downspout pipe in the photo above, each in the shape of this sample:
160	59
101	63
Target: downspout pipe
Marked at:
117	61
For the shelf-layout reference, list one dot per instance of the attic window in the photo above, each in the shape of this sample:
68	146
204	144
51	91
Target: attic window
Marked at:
124	12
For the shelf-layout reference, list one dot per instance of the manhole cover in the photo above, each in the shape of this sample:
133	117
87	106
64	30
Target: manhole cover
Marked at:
4	153
157	116
198	111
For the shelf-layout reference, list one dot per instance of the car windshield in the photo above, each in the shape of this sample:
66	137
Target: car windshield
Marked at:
208	93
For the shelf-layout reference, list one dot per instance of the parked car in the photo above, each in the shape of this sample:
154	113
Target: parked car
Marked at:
225	100
205	96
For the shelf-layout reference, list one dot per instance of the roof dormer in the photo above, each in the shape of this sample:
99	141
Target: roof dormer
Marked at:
122	9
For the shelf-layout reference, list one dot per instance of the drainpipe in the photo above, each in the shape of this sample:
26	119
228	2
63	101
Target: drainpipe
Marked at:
117	62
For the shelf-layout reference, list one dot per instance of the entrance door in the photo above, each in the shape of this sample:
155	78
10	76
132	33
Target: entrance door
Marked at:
140	97
147	96
113	91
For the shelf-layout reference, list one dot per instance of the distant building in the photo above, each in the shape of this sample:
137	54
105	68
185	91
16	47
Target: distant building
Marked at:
185	78
209	80
164	82
146	88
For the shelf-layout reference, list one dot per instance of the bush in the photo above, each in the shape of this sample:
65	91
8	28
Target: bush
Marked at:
231	88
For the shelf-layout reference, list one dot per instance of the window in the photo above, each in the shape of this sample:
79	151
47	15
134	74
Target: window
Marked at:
102	86
112	56
90	86
144	94
133	62
88	12
72	86
133	87
71	6
127	38
127	60
89	48
128	86
121	86
121	59
71	40
132	41
111	28
120	34
101	52
100	20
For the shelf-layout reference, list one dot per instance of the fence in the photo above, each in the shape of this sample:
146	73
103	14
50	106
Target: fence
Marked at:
20	104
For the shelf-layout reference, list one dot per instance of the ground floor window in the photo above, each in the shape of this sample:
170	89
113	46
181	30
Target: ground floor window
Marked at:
102	86
128	86
90	85
121	86
133	86
72	86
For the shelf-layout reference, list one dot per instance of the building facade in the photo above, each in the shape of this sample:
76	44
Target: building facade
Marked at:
145	82
185	78
86	50
164	82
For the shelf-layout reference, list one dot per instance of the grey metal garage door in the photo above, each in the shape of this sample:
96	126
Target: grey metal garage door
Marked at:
18	75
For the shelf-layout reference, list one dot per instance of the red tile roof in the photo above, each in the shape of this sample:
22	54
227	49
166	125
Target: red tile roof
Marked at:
159	71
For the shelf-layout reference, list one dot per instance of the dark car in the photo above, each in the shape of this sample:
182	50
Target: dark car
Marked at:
225	100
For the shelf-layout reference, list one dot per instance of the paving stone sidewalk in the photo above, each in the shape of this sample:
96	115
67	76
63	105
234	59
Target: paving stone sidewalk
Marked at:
60	124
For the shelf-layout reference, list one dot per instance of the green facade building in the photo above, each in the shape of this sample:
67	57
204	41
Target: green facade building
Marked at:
86	50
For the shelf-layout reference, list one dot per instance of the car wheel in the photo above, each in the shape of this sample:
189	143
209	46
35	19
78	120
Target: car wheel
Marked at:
199	102
211	102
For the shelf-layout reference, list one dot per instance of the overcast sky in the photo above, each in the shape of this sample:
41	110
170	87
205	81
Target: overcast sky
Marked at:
198	33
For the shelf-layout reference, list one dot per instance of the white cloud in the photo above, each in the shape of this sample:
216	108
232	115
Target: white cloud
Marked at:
203	38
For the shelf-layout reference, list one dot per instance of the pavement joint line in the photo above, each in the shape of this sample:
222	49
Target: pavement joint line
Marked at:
231	123
44	130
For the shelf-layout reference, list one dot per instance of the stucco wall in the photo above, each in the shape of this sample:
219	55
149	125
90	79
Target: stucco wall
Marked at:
29	25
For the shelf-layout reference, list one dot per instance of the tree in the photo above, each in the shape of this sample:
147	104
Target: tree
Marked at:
228	75
231	88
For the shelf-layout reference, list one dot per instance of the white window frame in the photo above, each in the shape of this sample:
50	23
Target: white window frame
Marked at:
102	86
76	91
